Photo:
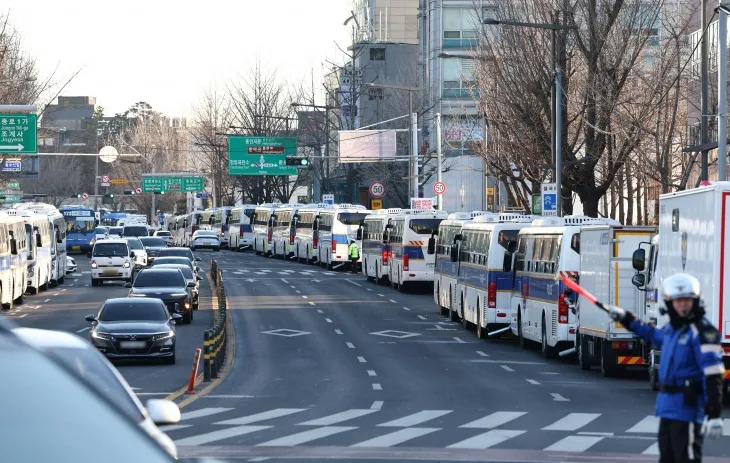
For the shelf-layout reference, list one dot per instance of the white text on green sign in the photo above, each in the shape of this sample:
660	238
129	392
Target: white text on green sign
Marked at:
18	133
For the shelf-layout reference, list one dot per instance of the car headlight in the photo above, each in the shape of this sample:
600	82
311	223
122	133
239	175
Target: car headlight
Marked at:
31	272
93	264
126	265
179	295
137	295
162	336
104	336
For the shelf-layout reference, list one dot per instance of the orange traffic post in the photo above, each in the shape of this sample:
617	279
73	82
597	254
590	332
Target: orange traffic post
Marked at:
194	373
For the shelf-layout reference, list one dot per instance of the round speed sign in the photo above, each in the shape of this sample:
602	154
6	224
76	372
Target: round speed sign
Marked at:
439	188
138	190
84	195
377	189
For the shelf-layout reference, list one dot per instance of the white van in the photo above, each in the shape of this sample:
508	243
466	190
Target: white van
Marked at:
337	227
111	260
376	252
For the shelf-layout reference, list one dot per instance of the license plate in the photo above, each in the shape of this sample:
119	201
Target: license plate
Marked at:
110	271
132	344
76	248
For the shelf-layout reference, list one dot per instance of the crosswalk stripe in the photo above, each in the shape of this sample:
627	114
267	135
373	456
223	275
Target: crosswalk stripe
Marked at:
572	421
220	435
574	444
203	412
306	436
396	437
652	450
275	413
416	418
493	420
339	417
650	424
487	439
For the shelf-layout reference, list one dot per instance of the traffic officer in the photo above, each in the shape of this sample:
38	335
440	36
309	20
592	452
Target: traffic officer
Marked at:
691	371
354	252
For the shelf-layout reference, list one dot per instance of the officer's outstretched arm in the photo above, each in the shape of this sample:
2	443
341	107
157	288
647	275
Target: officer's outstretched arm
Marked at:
708	353
648	333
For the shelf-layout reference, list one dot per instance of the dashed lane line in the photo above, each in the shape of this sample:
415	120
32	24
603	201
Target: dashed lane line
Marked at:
372	373
482	354
356	284
377	405
506	368
421	317
406	308
391	300
338	331
377	387
532	381
350	345
305	297
23	316
319	311
47	300
82	330
559	398
328	320
459	340
362	360
311	303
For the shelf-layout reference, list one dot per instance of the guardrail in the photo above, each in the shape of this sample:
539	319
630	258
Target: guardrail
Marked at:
215	339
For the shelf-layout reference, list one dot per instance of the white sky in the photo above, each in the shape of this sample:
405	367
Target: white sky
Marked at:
168	52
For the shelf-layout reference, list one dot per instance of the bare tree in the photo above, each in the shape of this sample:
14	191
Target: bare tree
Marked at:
61	179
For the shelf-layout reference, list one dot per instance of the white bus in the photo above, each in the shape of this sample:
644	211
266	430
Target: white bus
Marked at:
376	253
13	265
38	253
263	228
337	227
284	230
446	268
545	250
408	236
306	239
193	222
58	243
221	220
240	227
484	282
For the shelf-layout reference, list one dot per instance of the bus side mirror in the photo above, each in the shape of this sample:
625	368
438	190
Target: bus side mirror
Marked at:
359	234
639	280
637	260
431	245
58	236
454	253
38	241
13	246
507	262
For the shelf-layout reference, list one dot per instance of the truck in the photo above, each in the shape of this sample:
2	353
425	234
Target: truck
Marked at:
606	272
694	238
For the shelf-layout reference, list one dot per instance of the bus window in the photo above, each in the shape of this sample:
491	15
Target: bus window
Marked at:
575	243
520	257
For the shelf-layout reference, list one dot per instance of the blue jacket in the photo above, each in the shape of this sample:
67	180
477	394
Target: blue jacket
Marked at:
692	351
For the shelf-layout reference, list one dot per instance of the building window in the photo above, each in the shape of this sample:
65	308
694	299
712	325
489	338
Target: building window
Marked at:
458	77
461	23
377	54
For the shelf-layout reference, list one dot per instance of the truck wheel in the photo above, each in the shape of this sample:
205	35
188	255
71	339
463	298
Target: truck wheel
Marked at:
608	361
584	360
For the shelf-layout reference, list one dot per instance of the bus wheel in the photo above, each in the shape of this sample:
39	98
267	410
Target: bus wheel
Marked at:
482	333
547	351
44	286
7	306
464	322
520	335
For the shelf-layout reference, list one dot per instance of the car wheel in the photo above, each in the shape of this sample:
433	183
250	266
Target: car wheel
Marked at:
218	249
187	318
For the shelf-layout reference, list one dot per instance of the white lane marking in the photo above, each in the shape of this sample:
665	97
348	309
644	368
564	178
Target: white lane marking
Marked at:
494	420
506	368
338	331
574	444
259	459
204	412
377	405
406	308
174	427
369	289
532	381
459	340
83	329
219	435
362	360
421	317
377	387
64	289
319	311
572	422
328	320
298	292
23	316
284	281
311	303
350	345
372	373
396	437
416	418
267	415
391	300
56	294
306	436
47	300
381	295
559	398
339	417
305	297
86	285
650	424
291	286
652	450
482	354
588	433
487	439
356	284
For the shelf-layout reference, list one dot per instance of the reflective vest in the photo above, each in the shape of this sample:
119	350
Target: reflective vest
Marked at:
353	251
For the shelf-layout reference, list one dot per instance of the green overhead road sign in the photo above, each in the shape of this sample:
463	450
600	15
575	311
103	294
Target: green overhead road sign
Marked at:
260	155
13	186
172	184
10	198
18	134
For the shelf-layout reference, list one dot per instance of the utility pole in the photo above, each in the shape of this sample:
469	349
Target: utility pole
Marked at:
705	93
553	93
153	213
439	165
559	140
722	92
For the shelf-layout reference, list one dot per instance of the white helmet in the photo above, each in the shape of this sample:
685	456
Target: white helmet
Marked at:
680	285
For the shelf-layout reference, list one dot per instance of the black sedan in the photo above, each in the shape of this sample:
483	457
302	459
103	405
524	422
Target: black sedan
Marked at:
190	276
168	285
179	252
176	261
134	328
153	246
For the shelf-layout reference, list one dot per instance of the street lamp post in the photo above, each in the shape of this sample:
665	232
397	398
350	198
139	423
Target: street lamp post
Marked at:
153	212
412	132
327	109
556	96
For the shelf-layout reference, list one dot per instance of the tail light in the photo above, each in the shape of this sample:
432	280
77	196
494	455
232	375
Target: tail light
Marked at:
492	295
386	256
315	241
562	309
620	345
405	262
291	237
240	232
334	246
270	235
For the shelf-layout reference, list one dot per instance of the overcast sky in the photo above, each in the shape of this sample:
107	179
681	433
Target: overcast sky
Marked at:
168	52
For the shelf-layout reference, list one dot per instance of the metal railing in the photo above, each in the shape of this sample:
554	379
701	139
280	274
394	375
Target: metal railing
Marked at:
215	339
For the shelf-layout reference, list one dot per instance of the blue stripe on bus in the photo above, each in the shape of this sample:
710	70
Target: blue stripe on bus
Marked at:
480	277
414	252
444	266
536	286
372	246
341	239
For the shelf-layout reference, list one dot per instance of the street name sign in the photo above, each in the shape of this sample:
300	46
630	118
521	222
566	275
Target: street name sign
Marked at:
172	184
18	134
260	155
549	199
12	165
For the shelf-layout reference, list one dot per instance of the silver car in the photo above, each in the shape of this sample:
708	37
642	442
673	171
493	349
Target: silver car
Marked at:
140	253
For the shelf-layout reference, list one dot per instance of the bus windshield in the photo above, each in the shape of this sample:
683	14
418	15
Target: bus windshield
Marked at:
424	226
352	218
79	221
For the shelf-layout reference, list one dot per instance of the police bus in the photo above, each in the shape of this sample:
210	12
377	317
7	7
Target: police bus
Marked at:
57	224
284	230
240	227
221	219
306	239
376	253
38	252
337	227
263	228
408	237
547	249
13	266
447	261
193	222
484	282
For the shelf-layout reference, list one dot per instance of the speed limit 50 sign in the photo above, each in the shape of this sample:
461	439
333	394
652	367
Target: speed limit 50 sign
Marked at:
377	189
439	188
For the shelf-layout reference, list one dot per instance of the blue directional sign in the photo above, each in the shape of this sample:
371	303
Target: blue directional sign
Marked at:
12	165
202	195
549	199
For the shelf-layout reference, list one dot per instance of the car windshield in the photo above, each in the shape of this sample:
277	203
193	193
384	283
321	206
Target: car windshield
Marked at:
133	311
186	270
163	233
115	231
101	230
110	250
172	260
159	279
152	242
352	218
91	366
135	244
424	226
179	252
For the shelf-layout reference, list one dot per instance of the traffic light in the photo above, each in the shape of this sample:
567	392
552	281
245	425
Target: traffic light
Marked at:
129	192
159	192
77	195
109	195
297	161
